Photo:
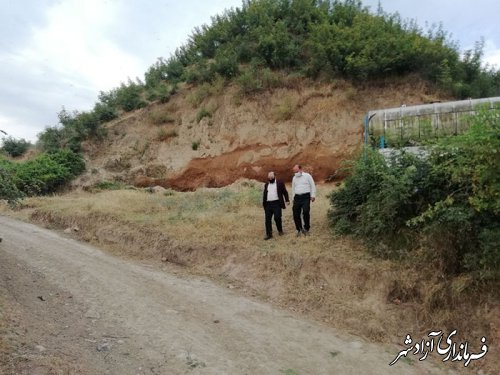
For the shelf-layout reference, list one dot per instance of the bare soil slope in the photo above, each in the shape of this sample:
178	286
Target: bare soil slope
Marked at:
211	135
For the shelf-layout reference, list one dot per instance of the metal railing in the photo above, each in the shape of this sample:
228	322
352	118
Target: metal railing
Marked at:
410	125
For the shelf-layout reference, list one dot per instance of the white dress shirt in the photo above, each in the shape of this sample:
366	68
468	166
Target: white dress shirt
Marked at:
272	192
302	184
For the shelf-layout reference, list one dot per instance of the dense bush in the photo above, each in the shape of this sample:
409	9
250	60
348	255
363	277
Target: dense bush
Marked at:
42	175
445	207
8	190
328	39
324	39
51	139
161	92
75	128
15	147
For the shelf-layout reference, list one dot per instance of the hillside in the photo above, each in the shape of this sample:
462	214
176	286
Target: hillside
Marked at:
318	125
263	86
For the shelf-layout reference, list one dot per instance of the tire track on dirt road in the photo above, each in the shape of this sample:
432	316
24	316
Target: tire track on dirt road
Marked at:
130	318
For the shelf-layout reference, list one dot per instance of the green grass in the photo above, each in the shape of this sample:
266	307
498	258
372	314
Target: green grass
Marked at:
109	185
202	113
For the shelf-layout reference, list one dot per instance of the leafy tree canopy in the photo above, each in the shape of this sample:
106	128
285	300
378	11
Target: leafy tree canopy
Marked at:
325	38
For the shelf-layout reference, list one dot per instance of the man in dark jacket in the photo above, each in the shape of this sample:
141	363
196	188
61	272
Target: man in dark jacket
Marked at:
274	198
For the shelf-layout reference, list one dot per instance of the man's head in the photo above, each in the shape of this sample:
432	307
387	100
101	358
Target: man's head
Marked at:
297	168
271	176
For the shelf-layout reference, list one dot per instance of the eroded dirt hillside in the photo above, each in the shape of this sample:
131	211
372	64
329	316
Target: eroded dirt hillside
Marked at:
212	135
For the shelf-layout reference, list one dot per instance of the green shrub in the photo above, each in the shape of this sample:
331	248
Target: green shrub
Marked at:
47	172
202	113
8	189
249	82
72	161
378	198
199	72
324	40
104	112
226	63
195	145
171	70
76	127
129	96
15	147
51	139
447	205
161	92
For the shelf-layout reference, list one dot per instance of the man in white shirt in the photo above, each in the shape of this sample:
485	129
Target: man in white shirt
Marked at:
304	192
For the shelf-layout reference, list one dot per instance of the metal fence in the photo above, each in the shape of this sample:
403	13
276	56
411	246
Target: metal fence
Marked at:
406	126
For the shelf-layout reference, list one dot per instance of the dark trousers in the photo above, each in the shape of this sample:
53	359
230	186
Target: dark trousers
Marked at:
301	205
273	208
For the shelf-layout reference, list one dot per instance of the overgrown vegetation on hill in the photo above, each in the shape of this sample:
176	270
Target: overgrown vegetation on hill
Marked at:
256	44
443	210
15	147
41	175
327	39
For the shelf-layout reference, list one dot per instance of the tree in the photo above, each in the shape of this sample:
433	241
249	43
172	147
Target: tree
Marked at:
8	190
15	147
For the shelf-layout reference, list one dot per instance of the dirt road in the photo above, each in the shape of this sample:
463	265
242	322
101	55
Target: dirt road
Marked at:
75	304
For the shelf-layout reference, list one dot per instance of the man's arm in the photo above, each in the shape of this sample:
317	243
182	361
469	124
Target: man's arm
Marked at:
264	195
285	192
313	188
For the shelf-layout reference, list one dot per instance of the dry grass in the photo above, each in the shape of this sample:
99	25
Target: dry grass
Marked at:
161	116
219	232
285	109
206	90
164	134
230	216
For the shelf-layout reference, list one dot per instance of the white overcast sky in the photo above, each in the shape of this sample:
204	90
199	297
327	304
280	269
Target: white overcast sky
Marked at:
56	53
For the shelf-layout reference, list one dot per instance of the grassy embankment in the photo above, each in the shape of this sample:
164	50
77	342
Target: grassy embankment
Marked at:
219	233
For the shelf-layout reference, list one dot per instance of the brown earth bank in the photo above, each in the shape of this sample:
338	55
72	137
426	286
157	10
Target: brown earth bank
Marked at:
212	135
330	279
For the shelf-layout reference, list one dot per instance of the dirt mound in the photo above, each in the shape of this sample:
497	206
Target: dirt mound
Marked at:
212	138
222	170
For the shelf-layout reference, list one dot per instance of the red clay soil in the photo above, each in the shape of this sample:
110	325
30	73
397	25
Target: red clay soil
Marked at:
225	169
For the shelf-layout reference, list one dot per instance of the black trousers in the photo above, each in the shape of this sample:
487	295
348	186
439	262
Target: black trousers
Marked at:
270	209
302	206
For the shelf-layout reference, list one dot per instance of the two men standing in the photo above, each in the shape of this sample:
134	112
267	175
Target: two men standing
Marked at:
275	195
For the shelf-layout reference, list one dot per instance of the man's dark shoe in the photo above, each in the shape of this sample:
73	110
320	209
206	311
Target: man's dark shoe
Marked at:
281	233
267	238
306	232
